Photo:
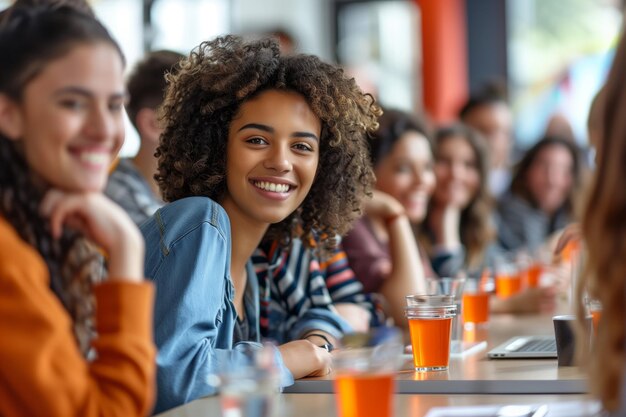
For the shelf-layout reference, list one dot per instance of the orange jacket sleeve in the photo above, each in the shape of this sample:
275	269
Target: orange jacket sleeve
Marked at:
42	372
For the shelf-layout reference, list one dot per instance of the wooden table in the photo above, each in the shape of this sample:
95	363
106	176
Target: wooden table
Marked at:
317	405
476	374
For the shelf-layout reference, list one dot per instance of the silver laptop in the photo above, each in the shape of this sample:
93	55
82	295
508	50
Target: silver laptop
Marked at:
525	347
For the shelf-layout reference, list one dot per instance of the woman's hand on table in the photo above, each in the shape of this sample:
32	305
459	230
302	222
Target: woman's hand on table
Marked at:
304	358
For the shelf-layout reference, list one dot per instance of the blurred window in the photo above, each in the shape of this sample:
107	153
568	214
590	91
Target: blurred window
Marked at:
179	25
378	43
559	53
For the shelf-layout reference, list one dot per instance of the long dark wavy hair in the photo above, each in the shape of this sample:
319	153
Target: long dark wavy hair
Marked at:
206	93
393	124
477	229
33	34
519	185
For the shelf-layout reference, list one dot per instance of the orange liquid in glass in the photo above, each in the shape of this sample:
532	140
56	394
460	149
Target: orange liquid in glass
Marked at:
364	395
476	307
532	277
430	339
507	286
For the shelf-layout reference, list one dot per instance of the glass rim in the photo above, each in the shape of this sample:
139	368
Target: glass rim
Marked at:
429	300
433	312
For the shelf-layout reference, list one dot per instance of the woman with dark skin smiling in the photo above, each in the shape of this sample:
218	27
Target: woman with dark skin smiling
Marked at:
256	145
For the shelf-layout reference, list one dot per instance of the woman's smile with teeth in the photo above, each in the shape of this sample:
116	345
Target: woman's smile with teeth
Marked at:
273	187
94	157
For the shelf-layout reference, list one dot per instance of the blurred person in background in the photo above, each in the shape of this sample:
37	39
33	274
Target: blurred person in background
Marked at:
132	184
459	231
382	247
559	126
488	112
77	340
286	40
541	200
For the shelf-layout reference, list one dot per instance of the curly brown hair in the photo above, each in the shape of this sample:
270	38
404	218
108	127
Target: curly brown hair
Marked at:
205	95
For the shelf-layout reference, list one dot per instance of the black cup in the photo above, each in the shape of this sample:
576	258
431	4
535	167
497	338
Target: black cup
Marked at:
565	340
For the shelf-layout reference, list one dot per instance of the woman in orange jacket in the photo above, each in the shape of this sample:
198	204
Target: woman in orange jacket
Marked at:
72	345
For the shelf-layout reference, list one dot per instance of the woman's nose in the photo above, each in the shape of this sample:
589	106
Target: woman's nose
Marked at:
278	160
457	171
418	178
100	125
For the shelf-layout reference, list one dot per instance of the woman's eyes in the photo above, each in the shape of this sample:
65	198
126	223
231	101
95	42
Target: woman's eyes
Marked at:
78	104
300	146
303	147
403	168
73	104
450	162
256	141
470	165
116	106
418	168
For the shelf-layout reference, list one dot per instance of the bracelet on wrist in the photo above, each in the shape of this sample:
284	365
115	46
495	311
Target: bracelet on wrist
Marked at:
328	346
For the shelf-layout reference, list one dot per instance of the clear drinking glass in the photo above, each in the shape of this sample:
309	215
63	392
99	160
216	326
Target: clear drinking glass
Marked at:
430	325
249	388
451	287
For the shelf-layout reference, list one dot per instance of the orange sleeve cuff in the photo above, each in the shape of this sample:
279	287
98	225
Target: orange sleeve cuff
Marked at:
124	307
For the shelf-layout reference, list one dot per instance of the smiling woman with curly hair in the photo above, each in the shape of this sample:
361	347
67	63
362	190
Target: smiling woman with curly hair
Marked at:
206	95
256	146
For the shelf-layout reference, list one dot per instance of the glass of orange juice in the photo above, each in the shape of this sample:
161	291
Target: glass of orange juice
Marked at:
475	303
430	324
534	273
365	375
453	287
508	280
529	269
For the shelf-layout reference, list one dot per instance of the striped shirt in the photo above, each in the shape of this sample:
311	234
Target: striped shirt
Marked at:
128	188
293	281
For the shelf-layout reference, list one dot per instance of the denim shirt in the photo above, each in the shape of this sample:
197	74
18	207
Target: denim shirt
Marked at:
188	252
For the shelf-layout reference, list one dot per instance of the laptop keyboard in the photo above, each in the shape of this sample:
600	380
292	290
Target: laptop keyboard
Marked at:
546	345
